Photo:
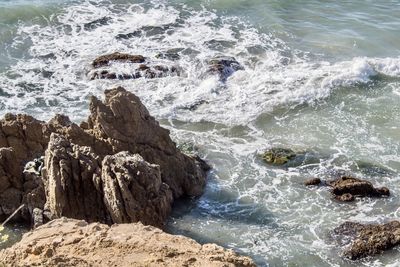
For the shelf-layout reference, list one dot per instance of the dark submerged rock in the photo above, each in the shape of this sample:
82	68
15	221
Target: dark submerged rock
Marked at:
97	23
223	66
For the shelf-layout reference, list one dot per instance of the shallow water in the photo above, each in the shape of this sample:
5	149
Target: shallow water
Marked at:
321	76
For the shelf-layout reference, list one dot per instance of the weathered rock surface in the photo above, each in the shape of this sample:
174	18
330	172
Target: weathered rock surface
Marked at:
73	176
286	157
278	156
149	70
367	239
346	188
133	190
120	57
22	138
68	242
145	71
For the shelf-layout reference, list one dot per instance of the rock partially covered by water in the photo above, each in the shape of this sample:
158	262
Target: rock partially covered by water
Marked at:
145	71
223	66
68	242
347	188
117	57
278	156
367	239
149	69
312	181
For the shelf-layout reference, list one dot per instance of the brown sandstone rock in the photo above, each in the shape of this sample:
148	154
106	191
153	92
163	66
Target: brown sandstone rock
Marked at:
68	242
312	181
72	181
72	177
121	57
367	239
346	188
133	190
125	124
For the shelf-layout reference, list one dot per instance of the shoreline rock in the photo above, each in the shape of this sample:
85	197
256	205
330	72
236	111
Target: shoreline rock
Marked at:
346	189
367	239
69	242
141	67
73	166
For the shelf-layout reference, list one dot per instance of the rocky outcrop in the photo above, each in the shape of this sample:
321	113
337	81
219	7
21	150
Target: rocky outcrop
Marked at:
346	189
362	240
117	57
133	190
121	188
72	181
146	69
223	66
278	156
312	181
68	242
22	138
82	161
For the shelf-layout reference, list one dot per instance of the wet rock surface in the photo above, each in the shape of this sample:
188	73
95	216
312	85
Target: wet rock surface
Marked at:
142	71
278	156
68	242
80	160
363	240
223	66
346	188
119	57
139	69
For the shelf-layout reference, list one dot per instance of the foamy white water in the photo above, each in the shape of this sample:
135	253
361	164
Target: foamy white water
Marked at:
344	109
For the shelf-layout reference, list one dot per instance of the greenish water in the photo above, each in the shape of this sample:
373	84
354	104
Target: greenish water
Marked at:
322	76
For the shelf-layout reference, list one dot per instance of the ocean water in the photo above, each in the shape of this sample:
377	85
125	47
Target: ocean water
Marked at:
319	76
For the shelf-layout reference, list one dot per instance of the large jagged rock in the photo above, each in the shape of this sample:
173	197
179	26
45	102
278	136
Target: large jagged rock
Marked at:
367	239
121	188
133	190
120	123
68	242
72	181
22	138
124	123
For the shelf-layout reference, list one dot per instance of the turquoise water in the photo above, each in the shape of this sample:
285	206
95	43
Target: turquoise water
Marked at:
322	76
